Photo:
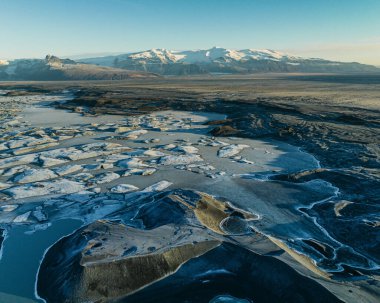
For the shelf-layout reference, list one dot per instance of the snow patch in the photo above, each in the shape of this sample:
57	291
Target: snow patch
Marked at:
180	159
231	150
124	188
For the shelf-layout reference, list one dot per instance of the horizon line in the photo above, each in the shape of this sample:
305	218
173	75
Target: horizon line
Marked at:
89	55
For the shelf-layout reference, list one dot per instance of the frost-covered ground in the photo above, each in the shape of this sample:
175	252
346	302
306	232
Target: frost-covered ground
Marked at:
56	165
38	158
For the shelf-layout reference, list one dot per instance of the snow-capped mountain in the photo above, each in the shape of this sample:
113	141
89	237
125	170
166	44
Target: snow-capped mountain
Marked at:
167	62
209	55
164	56
222	60
54	68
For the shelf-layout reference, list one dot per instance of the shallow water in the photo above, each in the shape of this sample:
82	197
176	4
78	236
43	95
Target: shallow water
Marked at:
45	116
22	254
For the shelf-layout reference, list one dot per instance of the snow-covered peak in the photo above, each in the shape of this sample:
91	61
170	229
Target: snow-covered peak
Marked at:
155	54
4	62
266	54
209	55
56	62
221	60
214	54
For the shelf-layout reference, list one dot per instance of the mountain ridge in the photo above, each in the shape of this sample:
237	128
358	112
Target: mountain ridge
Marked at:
52	68
155	62
223	60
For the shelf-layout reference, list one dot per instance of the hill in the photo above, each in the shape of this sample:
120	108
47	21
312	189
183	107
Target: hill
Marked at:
53	68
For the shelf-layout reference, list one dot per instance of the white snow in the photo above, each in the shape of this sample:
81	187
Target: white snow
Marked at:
3	146
39	214
81	177
4	185
99	146
89	167
34	175
67	169
159	186
18	160
44	188
8	207
15	170
187	149
81	196
158	55
116	157
206	55
22	218
131	163
29	141
106	177
180	159
79	155
231	150
148	171
169	146
153	153
47	161
124	188
134	134
29	149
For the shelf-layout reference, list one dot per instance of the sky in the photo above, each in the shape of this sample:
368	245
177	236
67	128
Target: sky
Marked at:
345	30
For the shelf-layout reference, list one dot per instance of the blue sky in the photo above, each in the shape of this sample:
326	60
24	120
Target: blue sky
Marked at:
348	30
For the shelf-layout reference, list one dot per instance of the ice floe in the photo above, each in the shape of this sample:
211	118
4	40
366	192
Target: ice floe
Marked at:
131	163
231	150
124	188
159	186
180	159
48	162
22	218
4	185
8	207
135	134
18	160
106	177
62	186
67	169
34	175
187	149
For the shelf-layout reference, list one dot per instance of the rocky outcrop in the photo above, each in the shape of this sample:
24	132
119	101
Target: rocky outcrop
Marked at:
184	236
107	260
110	262
224	130
220	217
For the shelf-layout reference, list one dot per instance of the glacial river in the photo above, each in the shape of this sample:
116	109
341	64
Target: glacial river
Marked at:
22	253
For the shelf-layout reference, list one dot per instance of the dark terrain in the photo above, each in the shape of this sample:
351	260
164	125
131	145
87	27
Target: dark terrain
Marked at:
336	118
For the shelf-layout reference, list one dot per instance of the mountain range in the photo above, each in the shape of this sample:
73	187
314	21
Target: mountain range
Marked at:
222	60
55	69
155	62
